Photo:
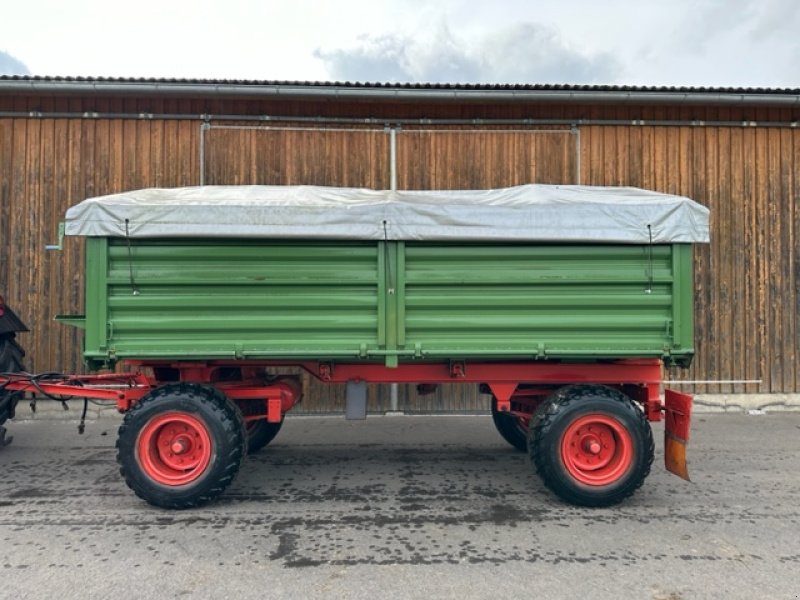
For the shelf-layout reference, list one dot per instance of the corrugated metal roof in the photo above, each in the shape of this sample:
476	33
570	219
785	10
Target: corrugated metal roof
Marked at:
543	87
347	91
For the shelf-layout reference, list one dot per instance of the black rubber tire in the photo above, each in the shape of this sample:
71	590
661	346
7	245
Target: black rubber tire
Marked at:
261	432
551	421
224	425
11	355
510	428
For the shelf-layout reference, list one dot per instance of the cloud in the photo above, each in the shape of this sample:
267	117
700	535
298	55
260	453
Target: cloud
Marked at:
724	43
775	18
746	23
521	53
11	66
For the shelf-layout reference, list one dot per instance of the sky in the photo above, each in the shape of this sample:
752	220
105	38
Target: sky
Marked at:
719	43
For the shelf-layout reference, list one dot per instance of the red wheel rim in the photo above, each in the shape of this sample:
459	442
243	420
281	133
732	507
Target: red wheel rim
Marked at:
174	448
597	449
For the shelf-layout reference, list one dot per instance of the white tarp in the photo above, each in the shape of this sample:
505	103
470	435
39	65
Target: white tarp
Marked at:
552	213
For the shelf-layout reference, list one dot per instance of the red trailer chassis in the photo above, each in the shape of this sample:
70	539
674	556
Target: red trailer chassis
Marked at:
517	387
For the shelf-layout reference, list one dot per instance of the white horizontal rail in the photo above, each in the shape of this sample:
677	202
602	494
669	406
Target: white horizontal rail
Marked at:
710	381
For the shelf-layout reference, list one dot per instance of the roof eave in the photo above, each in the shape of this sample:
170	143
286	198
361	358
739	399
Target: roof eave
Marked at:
333	92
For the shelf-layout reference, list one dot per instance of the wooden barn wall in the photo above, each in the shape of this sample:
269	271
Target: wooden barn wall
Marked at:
295	155
479	159
48	165
747	279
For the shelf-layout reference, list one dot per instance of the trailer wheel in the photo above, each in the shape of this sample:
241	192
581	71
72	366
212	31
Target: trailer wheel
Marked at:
181	445
11	355
513	429
591	445
260	432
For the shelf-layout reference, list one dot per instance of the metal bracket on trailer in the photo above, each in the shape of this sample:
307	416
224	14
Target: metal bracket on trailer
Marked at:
502	393
458	369
325	371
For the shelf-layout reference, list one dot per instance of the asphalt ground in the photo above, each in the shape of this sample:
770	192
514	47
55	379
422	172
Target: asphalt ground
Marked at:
402	507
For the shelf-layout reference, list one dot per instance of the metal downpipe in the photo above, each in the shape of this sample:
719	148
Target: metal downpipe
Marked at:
394	391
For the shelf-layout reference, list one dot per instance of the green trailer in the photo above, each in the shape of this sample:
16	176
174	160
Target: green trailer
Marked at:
563	303
390	302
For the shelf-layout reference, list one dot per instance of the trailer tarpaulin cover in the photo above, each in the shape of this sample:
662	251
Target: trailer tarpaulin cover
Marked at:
547	213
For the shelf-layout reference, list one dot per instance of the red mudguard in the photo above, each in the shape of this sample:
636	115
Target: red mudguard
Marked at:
678	409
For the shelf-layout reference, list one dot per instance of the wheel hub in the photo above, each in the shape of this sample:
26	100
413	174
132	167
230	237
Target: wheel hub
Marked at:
592	446
174	448
596	450
180	445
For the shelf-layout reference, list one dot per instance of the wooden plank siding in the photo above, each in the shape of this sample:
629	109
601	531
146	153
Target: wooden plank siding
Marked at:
479	159
48	165
747	280
296	155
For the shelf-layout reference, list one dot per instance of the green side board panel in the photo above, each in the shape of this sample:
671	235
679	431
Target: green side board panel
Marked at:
386	301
